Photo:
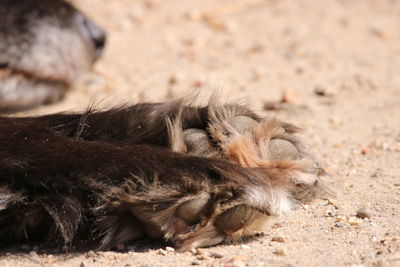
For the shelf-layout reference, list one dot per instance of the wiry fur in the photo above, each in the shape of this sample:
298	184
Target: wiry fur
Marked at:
45	45
101	178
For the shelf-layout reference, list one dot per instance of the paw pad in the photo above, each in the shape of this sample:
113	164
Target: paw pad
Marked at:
234	218
280	149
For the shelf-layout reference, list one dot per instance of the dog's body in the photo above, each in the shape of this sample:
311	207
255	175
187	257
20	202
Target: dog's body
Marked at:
110	177
194	176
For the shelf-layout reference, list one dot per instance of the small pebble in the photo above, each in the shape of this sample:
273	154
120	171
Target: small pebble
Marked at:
319	91
364	151
214	22
277	225
82	264
175	78
278	239
280	252
259	234
323	91
91	253
340	224
202	257
33	254
169	249
198	252
162	252
363	213
353	221
245	247
216	255
196	262
256	48
331	202
288	96
377	173
329	213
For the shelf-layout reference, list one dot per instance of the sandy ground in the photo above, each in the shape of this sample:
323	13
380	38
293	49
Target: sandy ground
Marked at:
338	65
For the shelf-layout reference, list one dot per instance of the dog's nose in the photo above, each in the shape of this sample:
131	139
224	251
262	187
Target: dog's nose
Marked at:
97	35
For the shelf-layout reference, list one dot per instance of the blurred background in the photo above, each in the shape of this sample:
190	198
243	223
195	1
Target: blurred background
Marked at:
251	49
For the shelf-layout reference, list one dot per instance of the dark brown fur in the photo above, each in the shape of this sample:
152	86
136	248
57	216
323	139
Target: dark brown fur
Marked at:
193	176
101	178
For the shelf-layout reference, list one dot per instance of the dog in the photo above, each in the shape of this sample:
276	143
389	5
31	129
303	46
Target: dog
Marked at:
191	175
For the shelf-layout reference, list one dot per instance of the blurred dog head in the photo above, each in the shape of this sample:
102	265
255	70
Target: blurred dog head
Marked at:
44	46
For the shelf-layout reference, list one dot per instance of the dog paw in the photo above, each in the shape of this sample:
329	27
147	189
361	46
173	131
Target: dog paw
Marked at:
235	134
253	169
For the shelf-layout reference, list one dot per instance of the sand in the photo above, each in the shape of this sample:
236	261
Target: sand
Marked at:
335	63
